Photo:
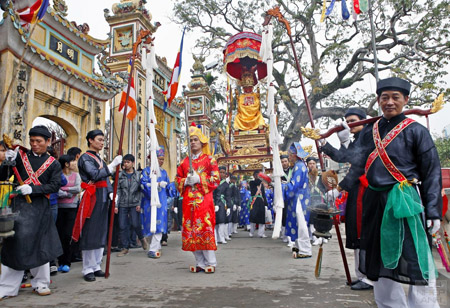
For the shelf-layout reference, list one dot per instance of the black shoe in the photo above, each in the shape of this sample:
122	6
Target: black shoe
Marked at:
99	273
25	277
116	249
135	246
89	277
360	286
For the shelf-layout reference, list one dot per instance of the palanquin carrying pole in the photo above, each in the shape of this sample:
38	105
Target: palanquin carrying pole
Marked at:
275	12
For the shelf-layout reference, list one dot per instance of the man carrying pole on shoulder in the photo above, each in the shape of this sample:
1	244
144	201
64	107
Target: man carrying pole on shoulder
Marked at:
36	241
399	166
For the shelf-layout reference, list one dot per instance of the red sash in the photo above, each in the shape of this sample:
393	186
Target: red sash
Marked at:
33	177
86	207
380	146
379	151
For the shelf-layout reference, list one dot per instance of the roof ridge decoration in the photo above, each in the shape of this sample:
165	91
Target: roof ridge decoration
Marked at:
60	6
130	6
101	83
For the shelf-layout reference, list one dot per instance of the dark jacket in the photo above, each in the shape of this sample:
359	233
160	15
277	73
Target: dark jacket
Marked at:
129	190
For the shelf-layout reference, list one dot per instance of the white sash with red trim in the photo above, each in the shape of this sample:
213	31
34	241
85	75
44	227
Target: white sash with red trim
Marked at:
380	148
33	177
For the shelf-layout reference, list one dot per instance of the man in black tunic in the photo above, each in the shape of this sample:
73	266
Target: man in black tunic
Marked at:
91	225
400	166
287	169
258	205
36	240
345	155
222	207
236	201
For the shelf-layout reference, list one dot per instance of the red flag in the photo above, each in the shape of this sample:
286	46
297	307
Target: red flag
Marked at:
171	91
132	107
33	13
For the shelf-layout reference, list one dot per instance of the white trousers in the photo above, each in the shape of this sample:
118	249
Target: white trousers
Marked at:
390	294
92	260
360	275
230	228
11	279
155	243
303	242
221	233
205	258
261	229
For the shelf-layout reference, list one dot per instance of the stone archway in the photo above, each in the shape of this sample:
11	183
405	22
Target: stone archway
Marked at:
70	130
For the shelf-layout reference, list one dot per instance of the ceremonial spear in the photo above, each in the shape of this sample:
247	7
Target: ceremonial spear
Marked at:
155	172
275	12
274	136
143	34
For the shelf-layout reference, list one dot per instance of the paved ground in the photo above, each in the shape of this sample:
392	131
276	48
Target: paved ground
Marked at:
252	272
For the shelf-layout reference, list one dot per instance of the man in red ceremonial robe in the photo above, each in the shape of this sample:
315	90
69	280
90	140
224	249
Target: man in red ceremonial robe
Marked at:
198	207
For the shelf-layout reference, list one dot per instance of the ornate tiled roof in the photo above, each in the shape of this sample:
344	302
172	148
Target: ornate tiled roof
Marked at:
105	85
99	44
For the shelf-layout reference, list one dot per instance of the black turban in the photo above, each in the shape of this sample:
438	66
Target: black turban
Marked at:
40	130
393	84
357	112
93	133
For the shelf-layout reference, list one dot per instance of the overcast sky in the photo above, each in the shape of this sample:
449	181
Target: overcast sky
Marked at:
168	37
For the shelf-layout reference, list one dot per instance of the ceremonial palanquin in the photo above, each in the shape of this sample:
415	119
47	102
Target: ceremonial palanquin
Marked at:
198	216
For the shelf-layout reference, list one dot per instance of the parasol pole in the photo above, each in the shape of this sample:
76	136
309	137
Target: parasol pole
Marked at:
275	12
143	34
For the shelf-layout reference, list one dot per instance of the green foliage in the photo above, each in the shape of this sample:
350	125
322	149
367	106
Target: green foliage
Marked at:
443	148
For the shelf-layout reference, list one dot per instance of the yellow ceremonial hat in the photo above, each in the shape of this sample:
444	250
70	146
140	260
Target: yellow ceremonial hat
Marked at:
195	130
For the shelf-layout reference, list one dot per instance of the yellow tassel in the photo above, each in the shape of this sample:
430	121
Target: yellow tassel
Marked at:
404	183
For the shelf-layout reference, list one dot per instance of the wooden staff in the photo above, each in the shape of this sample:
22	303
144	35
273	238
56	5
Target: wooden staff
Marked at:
315	134
275	12
8	144
143	34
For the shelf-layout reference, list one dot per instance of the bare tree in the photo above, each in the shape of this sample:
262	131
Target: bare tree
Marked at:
336	56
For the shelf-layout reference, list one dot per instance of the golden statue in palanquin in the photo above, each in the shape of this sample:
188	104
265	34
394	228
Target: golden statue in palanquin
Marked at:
248	115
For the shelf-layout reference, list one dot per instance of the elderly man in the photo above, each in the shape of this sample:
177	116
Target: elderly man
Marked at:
399	165
196	187
36	241
296	193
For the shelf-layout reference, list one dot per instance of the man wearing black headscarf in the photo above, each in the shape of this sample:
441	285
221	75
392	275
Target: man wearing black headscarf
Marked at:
346	154
91	226
36	241
398	162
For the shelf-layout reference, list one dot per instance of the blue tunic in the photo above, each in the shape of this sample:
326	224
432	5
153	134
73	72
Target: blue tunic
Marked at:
161	211
269	197
296	189
244	215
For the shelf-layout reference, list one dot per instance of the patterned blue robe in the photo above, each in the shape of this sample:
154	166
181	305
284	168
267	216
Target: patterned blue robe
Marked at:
161	211
244	214
296	189
269	197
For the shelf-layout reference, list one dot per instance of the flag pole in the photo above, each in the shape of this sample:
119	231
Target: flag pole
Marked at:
275	12
143	34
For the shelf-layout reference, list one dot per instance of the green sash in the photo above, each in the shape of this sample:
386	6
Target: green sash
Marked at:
404	203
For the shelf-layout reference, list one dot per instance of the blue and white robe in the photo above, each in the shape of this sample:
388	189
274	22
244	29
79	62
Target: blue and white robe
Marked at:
161	211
